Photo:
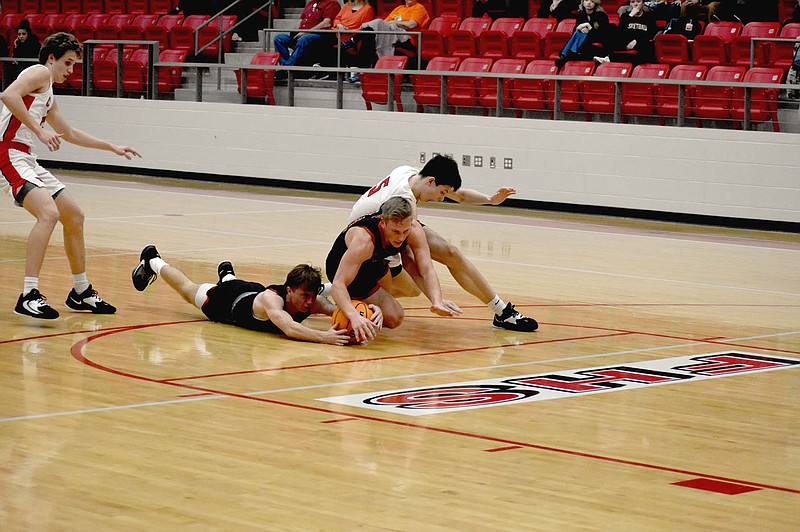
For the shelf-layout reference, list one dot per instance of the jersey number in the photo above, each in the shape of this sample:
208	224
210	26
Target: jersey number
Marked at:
379	186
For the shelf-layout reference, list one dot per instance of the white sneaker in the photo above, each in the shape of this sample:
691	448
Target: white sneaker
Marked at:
602	59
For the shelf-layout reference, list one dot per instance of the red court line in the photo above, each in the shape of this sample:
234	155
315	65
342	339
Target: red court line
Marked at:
77	352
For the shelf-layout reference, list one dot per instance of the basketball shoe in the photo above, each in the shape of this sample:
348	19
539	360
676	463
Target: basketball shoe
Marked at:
35	305
514	321
225	269
143	275
89	300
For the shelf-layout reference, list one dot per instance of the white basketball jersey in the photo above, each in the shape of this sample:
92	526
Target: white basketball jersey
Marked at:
395	184
38	105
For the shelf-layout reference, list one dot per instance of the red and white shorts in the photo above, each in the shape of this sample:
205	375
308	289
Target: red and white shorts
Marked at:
21	172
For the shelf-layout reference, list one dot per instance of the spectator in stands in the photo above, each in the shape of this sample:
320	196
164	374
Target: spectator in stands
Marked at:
26	46
352	15
635	33
590	38
409	16
490	8
301	47
662	9
696	9
796	13
558	9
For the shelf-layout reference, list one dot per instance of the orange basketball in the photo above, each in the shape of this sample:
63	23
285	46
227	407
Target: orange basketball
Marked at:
340	320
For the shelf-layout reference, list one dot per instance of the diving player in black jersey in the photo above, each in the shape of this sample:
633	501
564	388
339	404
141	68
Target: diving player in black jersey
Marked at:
276	309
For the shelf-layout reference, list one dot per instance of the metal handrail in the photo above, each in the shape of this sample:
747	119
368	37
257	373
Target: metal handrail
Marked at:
222	32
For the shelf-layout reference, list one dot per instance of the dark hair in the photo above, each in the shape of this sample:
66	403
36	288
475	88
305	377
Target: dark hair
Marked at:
59	44
396	208
444	170
304	275
24	24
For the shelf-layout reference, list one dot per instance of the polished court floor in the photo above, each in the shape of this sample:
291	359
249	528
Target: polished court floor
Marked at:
660	392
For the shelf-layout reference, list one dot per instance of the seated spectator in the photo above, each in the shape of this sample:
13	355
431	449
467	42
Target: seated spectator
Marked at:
796	13
352	15
489	8
367	48
591	35
26	45
662	9
697	9
558	9
301	47
635	33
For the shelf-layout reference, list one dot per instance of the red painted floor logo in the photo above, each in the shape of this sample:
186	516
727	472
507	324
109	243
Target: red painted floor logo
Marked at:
560	384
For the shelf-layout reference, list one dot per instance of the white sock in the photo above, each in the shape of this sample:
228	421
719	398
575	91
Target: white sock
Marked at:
497	305
81	282
326	289
228	277
29	283
156	264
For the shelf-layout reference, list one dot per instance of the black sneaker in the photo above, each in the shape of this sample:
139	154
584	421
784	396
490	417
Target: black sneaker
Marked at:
143	275
89	300
35	305
224	269
514	321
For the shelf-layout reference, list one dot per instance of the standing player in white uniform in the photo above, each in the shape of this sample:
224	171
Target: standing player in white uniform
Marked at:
440	179
28	104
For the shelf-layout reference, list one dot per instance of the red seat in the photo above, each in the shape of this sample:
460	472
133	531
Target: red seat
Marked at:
714	102
462	91
554	42
672	49
46	6
260	82
116	7
134	71
428	88
450	6
36	21
111	29
487	87
104	68
709	50
571	90
93	6
495	42
139	7
182	37
668	94
70	22
433	40
159	7
375	85
640	99
526	45
534	94
169	77
48	22
599	96
566	26
71	6
29	6
726	30
542	26
741	45
763	102
462	42
780	54
211	31
135	31
162	30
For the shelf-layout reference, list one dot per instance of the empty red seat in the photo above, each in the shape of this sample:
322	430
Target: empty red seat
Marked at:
375	85
455	7
111	29
672	49
211	31
763	102
534	94
182	37
715	102
139	7
169	77
46	6
779	54
116	7
742	44
542	26
710	50
571	90
599	96
462	91
260	82
71	6
640	99
134	71
433	39
668	94
463	41
135	31
428	88
495	42
487	87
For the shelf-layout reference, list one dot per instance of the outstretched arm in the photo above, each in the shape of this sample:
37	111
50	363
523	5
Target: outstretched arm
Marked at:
271	304
81	138
432	289
473	197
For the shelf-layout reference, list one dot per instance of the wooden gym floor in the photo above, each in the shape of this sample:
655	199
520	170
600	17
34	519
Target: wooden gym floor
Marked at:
153	419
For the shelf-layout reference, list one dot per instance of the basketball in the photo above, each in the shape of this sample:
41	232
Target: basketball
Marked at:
340	321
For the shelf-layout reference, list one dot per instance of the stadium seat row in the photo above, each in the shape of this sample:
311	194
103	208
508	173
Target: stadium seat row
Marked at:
89	6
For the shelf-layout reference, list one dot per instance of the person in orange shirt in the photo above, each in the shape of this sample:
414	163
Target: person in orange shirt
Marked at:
352	15
409	16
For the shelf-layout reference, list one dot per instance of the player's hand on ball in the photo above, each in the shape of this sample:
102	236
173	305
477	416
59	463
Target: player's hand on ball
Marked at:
363	329
377	316
335	336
